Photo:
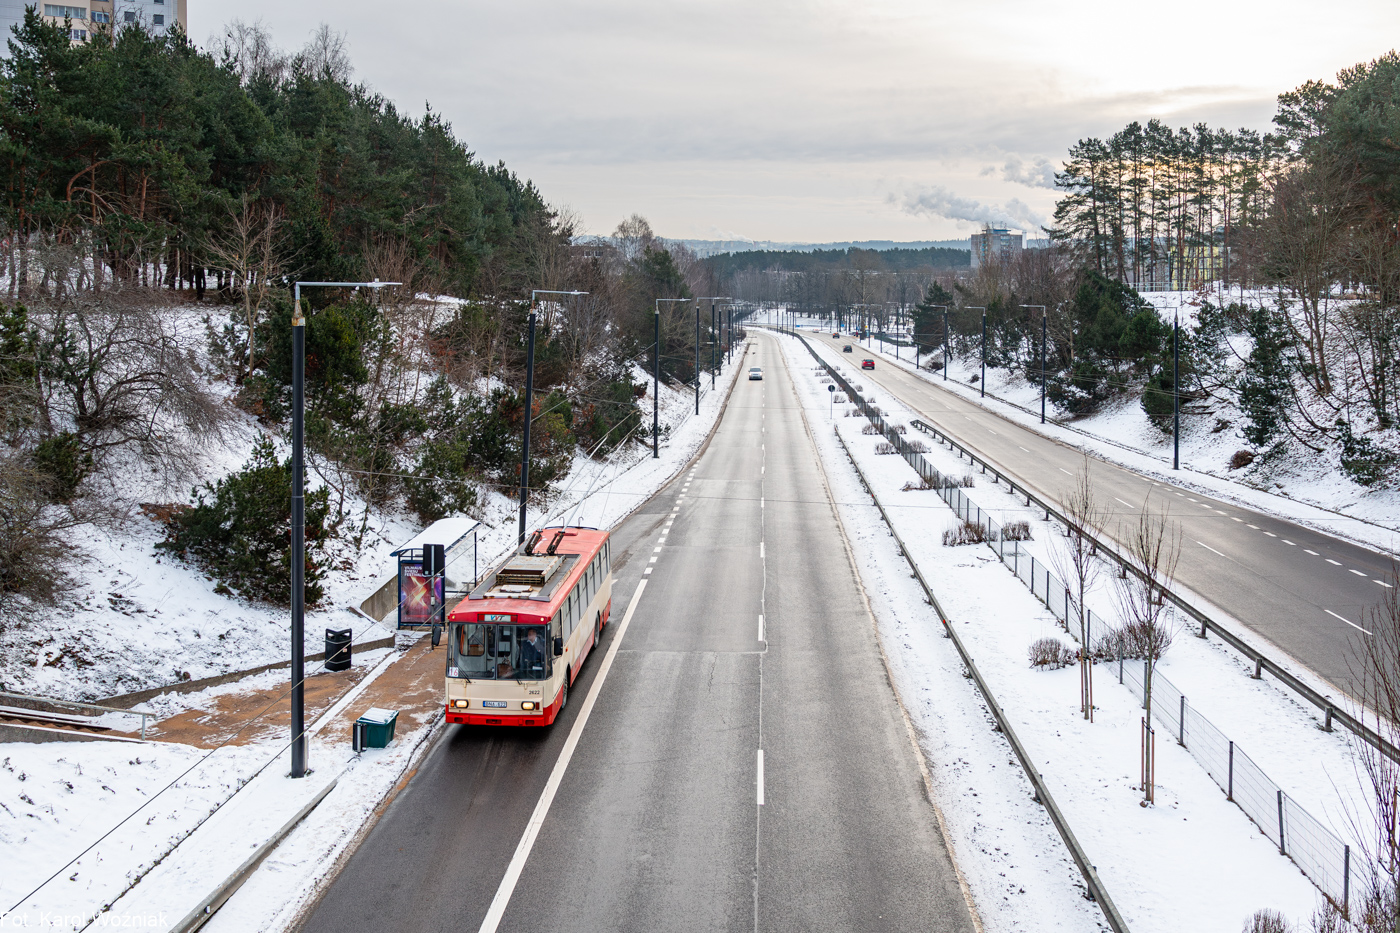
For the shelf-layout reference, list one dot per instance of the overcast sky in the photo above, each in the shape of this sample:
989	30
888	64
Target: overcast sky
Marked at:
822	121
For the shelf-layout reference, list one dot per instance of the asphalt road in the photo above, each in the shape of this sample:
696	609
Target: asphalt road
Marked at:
750	637
1305	591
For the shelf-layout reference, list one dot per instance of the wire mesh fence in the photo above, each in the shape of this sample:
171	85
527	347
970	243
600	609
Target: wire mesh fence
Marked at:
1316	850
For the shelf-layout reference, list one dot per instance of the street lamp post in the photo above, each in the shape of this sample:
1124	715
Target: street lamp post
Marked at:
713	348
1043	332
983	380
656	385
1176	392
298	568
530	404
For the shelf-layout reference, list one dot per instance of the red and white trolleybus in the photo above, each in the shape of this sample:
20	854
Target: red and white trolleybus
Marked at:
516	643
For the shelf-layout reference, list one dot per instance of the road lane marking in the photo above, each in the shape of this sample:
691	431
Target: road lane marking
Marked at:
1209	548
1255	527
760	550
532	828
760	627
1129	505
1287	542
1334	563
1234	519
1384	584
1312	552
647	572
1357	572
656	550
1271	534
760	777
1064	471
1347	621
1027	451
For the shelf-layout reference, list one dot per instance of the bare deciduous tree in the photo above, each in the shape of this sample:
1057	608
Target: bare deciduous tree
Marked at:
246	248
1079	564
1153	545
1374	664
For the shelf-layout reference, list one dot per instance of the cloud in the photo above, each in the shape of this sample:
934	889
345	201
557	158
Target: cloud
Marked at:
938	201
1041	174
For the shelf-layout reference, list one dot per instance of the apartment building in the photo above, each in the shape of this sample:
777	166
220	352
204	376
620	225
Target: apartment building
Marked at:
87	16
994	242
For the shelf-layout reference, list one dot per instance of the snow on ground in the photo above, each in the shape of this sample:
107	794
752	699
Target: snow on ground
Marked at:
54	809
135	618
1193	861
1308	488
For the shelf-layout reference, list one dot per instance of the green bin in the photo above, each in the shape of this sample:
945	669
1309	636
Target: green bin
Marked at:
375	729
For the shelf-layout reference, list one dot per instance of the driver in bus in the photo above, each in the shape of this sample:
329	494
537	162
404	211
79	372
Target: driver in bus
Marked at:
532	651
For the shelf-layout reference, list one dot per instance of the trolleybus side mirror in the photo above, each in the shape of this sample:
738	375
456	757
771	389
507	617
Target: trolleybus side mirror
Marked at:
558	645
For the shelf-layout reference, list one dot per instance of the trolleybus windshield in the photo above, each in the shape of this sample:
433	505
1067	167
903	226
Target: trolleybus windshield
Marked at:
487	651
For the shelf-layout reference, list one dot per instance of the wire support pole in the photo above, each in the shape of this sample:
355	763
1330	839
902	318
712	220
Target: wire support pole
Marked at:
1043	332
982	380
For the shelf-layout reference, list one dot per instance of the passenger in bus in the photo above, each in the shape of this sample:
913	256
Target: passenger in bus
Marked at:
532	652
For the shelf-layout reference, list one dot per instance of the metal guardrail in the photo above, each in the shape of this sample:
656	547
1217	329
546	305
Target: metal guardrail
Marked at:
1093	884
106	709
1331	711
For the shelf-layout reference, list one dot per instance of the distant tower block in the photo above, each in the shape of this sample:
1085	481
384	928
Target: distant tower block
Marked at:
994	243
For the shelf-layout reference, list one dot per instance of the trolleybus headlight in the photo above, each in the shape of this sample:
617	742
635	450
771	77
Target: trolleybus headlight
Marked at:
460	704
528	704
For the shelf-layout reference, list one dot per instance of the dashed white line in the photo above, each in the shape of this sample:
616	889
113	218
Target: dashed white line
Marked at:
653	559
1347	621
1128	504
1209	548
1027	451
1312	552
647	571
1271	534
656	550
760	627
1287	542
1384	584
1255	527
1334	563
1234	519
1357	572
1064	471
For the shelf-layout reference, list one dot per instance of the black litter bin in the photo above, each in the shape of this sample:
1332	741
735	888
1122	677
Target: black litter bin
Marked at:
338	649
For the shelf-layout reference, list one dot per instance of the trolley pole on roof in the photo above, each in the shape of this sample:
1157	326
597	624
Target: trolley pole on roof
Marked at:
298	559
530	405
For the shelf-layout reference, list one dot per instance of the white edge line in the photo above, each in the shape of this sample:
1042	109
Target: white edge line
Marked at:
532	829
1209	548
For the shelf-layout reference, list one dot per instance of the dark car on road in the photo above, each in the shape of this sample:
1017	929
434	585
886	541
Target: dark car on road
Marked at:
846	348
867	364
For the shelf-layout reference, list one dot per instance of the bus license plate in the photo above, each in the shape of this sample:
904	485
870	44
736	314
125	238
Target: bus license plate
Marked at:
494	704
